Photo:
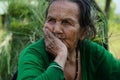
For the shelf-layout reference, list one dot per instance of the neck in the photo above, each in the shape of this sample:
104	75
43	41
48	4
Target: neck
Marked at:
71	56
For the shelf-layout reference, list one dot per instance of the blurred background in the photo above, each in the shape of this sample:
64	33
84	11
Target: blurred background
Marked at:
21	23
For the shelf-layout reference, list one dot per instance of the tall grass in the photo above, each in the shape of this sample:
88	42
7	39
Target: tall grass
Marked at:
23	26
5	49
101	25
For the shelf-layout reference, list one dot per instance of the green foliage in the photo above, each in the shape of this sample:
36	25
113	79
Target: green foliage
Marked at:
5	49
101	25
24	23
101	3
26	19
114	24
19	10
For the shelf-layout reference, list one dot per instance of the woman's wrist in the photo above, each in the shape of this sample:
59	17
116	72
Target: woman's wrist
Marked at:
55	65
61	59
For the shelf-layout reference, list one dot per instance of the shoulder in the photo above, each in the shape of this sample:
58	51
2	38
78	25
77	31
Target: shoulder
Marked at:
37	46
92	46
35	51
93	51
97	53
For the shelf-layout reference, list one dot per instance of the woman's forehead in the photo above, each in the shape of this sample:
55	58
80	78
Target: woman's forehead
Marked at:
63	5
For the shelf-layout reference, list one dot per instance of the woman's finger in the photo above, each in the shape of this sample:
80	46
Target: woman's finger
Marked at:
49	33
45	33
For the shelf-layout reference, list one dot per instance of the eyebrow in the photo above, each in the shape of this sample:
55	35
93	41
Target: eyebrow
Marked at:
66	18
49	16
69	19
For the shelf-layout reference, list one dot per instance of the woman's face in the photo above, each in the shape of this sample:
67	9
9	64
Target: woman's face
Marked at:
62	21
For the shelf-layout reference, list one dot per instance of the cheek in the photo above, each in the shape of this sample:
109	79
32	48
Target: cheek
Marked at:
48	26
72	38
72	34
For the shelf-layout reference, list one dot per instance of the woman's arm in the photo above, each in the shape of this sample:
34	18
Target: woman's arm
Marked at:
32	66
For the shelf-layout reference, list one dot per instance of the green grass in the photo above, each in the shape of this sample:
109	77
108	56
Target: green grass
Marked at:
114	42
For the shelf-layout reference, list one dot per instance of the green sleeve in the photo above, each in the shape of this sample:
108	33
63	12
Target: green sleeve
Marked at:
108	67
31	66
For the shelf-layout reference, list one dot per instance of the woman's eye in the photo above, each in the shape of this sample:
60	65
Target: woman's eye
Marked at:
66	22
51	20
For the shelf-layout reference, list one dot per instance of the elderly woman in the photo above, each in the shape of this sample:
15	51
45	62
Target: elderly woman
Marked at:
64	53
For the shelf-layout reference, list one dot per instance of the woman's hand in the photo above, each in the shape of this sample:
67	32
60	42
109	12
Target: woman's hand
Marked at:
56	47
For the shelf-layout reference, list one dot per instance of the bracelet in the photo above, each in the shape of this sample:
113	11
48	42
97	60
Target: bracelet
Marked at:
56	66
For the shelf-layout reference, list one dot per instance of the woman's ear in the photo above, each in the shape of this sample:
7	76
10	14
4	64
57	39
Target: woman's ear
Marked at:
83	33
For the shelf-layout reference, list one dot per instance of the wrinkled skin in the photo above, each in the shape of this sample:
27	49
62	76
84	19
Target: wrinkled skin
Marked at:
53	44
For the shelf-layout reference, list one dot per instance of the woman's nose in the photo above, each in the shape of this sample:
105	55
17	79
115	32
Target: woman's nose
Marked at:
57	28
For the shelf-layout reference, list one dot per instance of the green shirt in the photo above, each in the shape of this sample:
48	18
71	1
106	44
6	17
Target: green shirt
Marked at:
96	63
